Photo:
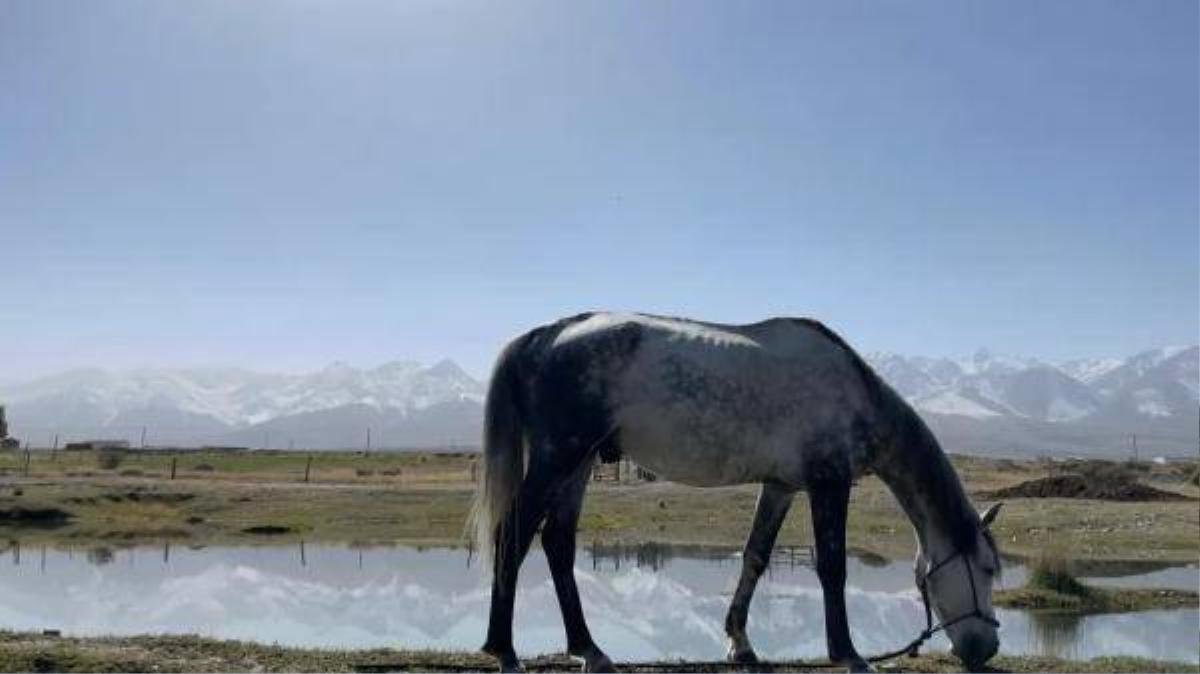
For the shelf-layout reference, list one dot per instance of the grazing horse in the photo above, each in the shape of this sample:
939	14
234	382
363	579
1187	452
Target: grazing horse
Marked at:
784	403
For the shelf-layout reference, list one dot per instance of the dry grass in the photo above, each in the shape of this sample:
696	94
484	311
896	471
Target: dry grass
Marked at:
26	652
389	497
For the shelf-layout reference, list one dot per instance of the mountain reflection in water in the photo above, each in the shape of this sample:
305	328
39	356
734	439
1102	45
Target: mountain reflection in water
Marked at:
642	601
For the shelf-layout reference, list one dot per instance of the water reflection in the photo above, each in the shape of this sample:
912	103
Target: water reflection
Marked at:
1055	633
644	602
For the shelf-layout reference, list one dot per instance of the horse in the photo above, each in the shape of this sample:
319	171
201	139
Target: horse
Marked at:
784	403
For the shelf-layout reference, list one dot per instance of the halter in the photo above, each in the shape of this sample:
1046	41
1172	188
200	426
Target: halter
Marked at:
975	612
930	629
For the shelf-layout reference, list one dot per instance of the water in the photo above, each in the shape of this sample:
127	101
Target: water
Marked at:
644	602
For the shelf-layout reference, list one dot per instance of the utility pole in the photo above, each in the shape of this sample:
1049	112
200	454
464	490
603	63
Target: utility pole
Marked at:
143	437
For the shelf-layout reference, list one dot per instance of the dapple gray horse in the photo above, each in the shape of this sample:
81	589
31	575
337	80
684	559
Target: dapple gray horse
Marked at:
784	403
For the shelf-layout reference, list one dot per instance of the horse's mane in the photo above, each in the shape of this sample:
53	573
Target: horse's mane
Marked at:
871	380
950	503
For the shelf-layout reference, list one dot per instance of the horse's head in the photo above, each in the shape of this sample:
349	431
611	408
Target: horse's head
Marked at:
957	582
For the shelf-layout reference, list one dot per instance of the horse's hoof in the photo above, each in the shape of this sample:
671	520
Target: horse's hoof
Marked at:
601	663
507	659
594	660
742	655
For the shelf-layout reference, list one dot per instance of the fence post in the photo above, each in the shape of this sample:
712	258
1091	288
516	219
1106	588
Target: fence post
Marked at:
307	469
173	460
26	461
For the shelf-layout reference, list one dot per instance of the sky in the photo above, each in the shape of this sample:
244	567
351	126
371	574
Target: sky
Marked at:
278	185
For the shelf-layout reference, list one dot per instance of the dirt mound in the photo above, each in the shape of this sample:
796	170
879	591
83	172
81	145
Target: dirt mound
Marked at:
267	530
34	517
1109	488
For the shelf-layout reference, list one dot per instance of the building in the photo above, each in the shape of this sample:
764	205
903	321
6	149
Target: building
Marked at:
5	441
84	445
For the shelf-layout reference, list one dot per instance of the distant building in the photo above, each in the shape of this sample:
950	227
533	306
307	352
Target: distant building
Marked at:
85	445
5	441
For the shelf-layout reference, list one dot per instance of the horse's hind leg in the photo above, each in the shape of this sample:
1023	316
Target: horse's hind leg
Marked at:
558	540
512	543
773	504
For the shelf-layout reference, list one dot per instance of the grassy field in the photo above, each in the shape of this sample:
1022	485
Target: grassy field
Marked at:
424	497
26	652
67	500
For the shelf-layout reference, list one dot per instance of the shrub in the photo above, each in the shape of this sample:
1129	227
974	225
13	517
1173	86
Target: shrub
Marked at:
1051	573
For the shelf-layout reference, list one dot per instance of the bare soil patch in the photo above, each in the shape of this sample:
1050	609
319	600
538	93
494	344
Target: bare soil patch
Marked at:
267	530
34	517
1103	480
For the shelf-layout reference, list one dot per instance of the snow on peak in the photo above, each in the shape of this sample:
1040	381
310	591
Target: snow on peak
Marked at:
952	402
1154	383
240	398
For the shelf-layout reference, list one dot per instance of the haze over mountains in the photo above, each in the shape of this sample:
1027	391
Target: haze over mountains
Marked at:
981	404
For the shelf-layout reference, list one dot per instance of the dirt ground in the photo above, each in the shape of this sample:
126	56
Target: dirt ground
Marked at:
27	652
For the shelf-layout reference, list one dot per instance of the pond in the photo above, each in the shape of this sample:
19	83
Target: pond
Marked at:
643	602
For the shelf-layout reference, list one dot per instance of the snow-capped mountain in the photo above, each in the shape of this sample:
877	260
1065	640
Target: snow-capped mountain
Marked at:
983	403
224	405
1157	383
1084	406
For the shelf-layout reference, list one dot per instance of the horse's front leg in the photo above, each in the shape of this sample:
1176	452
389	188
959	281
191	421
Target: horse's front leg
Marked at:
830	502
773	503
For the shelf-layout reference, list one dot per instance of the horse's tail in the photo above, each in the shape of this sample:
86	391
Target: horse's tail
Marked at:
503	452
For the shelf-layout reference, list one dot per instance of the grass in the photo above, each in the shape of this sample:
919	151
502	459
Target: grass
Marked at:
1050	573
222	497
29	652
1051	587
413	497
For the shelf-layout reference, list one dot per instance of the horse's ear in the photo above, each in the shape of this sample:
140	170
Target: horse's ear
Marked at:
989	515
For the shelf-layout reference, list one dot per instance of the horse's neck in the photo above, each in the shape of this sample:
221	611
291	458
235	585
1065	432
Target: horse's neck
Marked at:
919	474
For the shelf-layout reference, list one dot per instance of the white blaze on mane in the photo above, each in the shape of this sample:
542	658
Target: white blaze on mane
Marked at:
684	330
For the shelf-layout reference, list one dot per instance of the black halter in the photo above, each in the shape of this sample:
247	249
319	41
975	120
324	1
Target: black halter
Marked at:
912	648
975	612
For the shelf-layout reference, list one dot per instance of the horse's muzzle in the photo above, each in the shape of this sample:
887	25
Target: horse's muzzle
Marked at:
976	649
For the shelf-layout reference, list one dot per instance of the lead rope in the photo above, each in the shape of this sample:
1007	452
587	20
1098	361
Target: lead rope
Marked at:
912	649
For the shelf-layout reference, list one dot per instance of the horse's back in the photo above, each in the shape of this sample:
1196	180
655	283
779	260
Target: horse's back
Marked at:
707	403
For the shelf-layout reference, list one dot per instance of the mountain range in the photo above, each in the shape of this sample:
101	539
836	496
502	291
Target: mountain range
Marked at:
991	404
985	403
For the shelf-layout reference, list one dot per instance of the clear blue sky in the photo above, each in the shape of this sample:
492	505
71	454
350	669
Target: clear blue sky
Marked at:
281	184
